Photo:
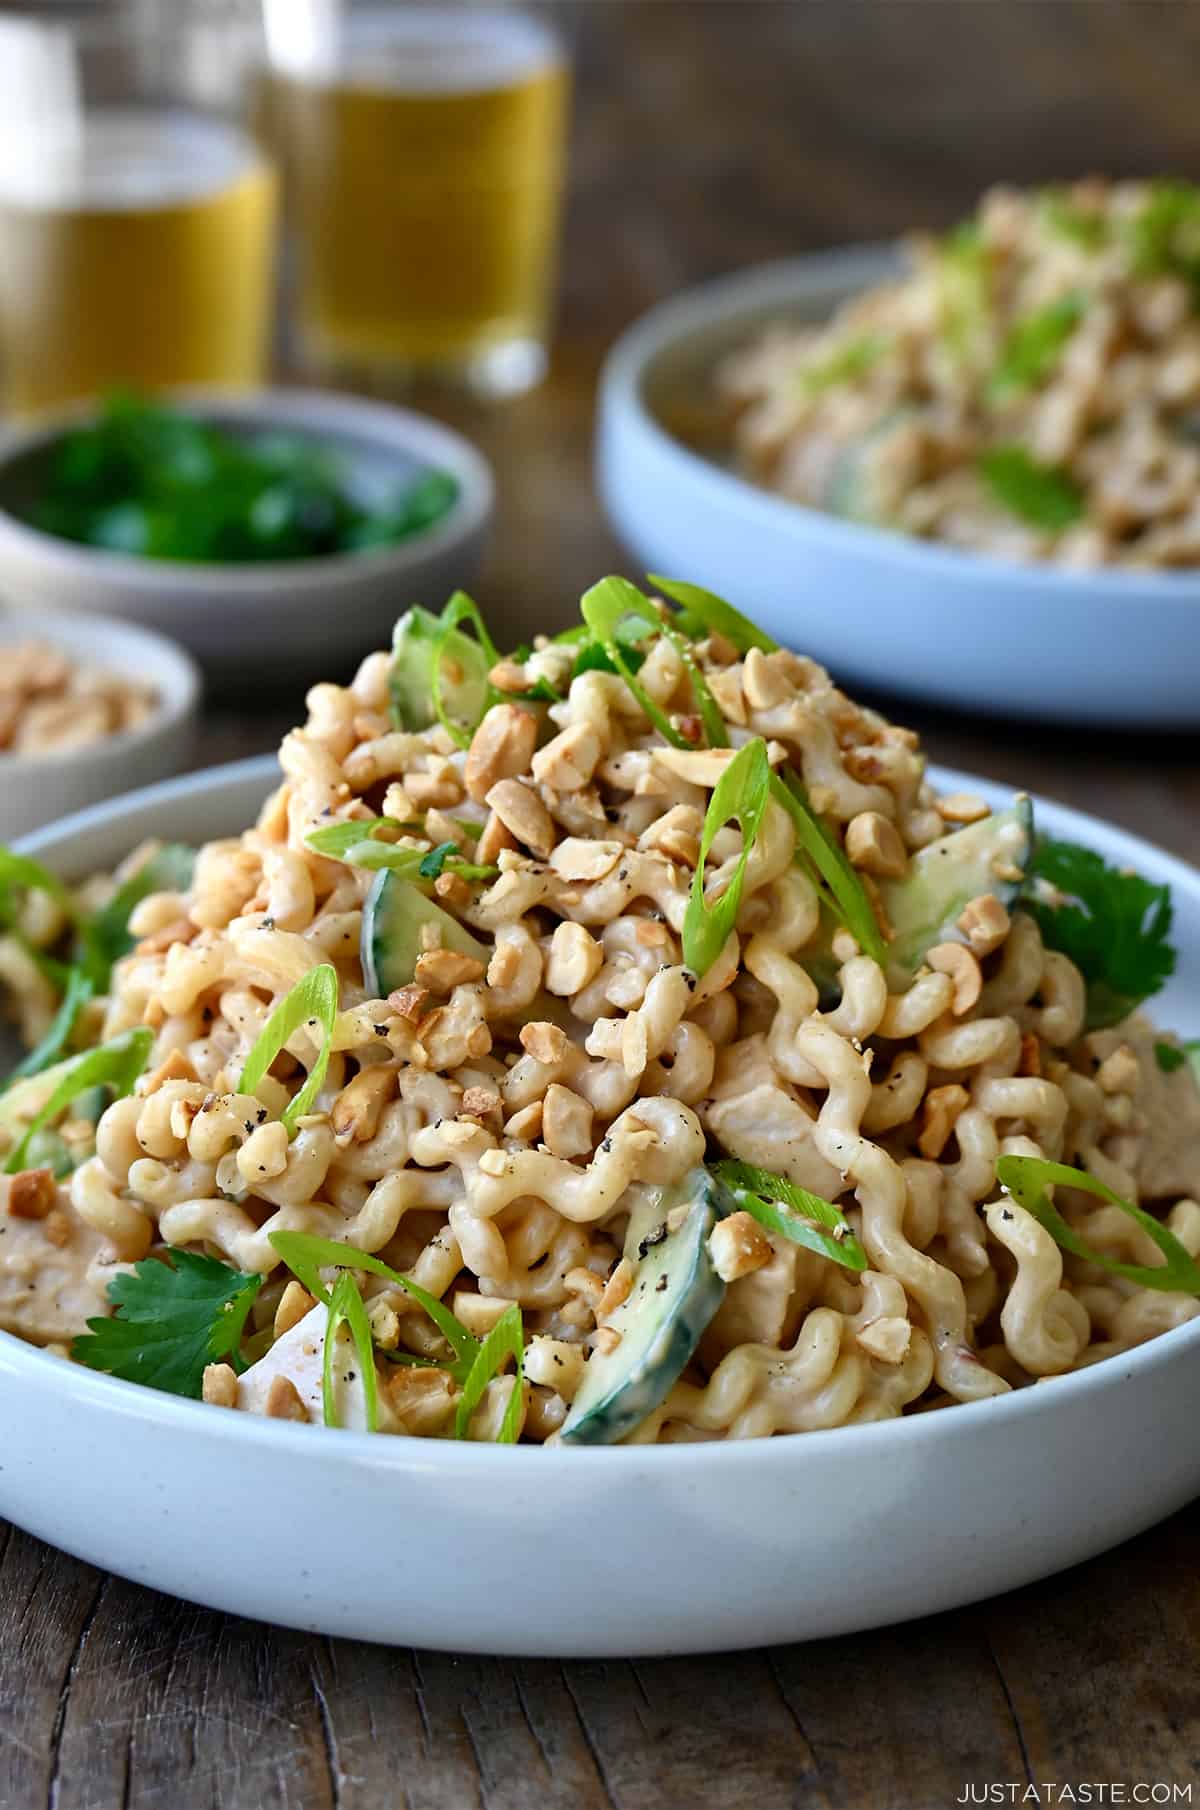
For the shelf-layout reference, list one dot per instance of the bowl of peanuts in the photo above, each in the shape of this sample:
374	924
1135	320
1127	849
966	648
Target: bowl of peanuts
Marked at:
89	708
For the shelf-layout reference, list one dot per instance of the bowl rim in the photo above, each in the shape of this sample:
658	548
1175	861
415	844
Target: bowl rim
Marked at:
371	1451
722	301
306	412
114	640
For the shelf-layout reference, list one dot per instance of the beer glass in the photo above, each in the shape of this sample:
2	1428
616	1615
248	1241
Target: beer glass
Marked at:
137	212
425	147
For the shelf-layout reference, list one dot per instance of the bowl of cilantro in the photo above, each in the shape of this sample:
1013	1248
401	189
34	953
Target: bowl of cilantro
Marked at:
274	534
919	618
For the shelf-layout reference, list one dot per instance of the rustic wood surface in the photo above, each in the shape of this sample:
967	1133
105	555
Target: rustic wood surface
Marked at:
708	135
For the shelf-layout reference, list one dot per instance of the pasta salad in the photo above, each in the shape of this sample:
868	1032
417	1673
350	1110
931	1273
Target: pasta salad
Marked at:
619	1040
1031	388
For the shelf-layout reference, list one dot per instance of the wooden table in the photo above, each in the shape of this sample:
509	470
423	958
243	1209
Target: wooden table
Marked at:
708	135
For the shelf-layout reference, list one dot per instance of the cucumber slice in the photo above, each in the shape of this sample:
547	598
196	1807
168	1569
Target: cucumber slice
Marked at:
464	673
924	906
394	915
676	1291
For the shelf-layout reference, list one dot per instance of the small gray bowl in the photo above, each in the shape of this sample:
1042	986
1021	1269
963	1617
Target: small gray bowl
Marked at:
286	620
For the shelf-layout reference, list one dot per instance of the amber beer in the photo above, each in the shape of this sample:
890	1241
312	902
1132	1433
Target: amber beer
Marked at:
135	249
427	161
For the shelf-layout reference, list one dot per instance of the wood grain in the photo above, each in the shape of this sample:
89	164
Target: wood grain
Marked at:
708	135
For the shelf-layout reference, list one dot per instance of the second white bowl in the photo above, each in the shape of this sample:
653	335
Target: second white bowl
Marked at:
893	613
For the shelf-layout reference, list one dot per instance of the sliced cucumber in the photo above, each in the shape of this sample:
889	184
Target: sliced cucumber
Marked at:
463	677
394	916
923	907
676	1291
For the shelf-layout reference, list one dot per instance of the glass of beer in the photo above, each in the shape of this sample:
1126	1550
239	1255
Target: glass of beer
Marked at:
137	212
425	148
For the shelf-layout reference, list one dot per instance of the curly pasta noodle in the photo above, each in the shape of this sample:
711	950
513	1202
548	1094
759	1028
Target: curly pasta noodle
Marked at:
488	1129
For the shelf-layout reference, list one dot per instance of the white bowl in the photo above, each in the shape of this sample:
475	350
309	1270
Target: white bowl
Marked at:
286	620
594	1551
882	609
37	788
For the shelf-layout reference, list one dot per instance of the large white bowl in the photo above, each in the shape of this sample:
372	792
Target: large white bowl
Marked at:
882	609
38	788
593	1551
257	624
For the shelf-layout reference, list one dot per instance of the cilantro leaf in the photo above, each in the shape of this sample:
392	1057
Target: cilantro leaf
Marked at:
1032	347
1112	923
1169	1057
1164	236
1041	495
1063	216
170	1319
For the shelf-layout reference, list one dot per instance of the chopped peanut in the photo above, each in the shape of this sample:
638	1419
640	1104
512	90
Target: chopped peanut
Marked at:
985	923
887	1338
176	1067
616	1289
963	968
606	1339
566	1122
478	1313
494	838
523	814
355	1114
873	844
501	747
409	1002
676	834
525	1126
480	1102
585	858
543	1041
1030	1060
294	1303
57	1228
1118	1073
444	969
32	1193
220	1385
738	1246
567	763
575	960
283	1400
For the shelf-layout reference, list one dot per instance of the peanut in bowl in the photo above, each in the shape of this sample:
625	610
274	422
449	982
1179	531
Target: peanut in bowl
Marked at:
88	708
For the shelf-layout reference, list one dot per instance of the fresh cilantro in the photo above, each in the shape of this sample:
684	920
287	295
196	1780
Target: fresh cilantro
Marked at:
1082	226
1164	236
1113	924
431	865
170	1319
105	937
1169	1057
1041	495
1032	348
45	1054
962	285
846	363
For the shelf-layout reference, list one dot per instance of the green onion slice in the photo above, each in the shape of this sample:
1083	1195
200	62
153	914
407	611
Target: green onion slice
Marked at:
346	1304
461	608
24	872
505	1340
610	606
305	1254
715	733
105	938
741	792
116	1064
314	999
47	1052
1027	1177
706	613
785	1207
358	844
848	900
